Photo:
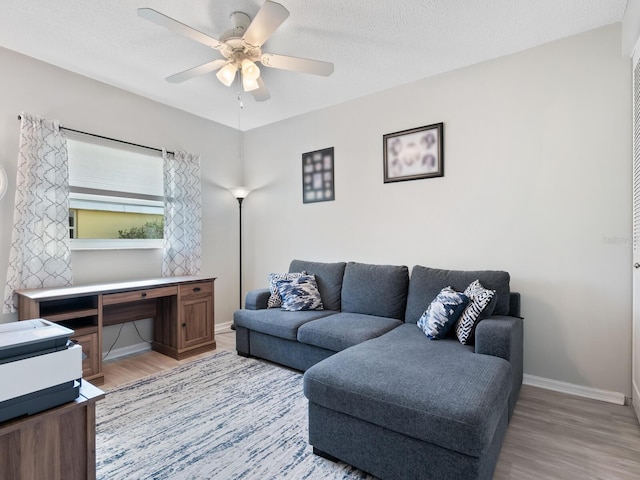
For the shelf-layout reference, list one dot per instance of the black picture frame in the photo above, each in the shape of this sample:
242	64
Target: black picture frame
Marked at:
414	154
317	176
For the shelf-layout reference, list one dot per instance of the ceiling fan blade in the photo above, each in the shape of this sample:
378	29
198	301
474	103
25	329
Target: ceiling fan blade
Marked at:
296	64
178	27
196	71
266	21
261	94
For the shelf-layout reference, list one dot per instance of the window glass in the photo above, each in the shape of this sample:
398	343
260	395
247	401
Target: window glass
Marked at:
116	195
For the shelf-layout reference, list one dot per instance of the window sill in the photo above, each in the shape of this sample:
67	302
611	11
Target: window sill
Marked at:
114	244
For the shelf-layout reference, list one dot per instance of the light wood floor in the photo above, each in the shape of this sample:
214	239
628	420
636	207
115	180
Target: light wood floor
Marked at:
551	435
128	369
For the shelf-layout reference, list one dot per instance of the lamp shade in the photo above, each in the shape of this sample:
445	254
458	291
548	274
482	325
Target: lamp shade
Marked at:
250	70
240	192
227	73
249	85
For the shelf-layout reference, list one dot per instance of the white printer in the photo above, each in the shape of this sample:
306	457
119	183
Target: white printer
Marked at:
40	367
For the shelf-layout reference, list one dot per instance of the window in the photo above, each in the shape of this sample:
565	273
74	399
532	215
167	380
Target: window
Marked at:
72	223
116	198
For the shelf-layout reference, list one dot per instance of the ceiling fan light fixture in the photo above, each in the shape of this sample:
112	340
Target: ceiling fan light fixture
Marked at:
227	73
249	85
250	70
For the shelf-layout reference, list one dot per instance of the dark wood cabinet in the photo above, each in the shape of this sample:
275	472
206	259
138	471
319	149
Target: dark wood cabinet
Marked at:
57	444
91	350
195	329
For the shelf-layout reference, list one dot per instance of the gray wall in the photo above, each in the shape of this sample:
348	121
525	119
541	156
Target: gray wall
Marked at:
78	102
537	182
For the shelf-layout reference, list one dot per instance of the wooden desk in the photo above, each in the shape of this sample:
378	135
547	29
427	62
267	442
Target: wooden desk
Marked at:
182	309
57	444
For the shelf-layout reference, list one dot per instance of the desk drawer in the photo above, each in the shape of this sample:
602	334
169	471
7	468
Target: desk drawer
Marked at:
196	289
134	296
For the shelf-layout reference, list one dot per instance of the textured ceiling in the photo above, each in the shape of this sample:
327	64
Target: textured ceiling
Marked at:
374	44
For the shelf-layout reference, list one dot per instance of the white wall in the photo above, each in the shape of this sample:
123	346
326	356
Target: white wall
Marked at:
630	26
78	102
537	182
631	48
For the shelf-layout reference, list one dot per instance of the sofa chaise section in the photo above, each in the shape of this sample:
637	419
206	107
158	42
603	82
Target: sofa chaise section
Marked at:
404	406
389	393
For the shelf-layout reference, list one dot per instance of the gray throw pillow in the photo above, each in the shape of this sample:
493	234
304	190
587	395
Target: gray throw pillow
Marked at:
275	300
442	313
300	294
481	305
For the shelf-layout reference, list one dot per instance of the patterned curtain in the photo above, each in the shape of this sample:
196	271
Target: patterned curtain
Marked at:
182	215
40	254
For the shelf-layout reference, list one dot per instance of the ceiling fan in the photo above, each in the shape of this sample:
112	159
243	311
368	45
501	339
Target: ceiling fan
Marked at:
241	49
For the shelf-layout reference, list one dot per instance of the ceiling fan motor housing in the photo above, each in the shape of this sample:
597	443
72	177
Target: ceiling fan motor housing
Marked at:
241	22
235	49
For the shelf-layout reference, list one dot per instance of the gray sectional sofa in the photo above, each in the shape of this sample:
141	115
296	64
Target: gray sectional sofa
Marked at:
382	396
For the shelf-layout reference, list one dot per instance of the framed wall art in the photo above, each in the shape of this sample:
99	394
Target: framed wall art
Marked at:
317	176
414	154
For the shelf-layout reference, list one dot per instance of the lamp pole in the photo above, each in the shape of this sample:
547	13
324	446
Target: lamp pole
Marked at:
240	199
240	193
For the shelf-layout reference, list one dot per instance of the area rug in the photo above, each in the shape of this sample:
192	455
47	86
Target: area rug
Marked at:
220	417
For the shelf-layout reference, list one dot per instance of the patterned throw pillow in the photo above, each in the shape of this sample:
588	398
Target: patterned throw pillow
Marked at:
275	300
300	294
479	307
443	312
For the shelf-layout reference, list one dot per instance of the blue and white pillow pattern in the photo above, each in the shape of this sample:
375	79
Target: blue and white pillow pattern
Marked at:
443	312
300	294
275	300
479	307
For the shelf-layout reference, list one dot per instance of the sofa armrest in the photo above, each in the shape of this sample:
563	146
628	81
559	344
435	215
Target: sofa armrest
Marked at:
257	299
502	336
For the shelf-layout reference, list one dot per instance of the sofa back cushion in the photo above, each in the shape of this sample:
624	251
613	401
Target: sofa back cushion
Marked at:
328	278
379	290
426	283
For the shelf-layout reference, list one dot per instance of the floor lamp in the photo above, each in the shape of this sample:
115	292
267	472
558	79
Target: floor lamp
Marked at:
240	193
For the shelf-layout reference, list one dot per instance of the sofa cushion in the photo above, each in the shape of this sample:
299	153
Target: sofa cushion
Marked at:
275	300
442	313
344	330
276	322
481	304
427	282
328	277
379	290
300	294
439	392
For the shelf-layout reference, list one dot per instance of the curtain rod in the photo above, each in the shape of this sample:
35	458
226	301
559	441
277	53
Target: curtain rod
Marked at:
110	139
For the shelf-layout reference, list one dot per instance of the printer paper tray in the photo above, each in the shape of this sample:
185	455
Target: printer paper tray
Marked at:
36	402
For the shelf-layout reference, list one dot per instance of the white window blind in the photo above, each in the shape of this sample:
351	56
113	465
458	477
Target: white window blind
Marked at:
99	167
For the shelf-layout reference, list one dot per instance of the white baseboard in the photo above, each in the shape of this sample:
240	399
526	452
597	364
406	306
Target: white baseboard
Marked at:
143	347
635	400
223	326
128	350
573	389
